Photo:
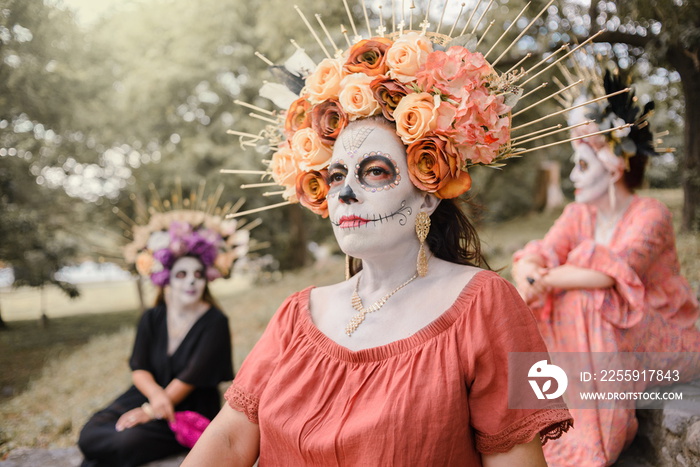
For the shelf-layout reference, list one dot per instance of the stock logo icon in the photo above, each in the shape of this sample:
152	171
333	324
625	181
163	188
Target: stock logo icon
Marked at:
546	371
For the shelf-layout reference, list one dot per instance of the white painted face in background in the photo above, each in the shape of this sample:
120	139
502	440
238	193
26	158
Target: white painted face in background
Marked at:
372	203
591	178
187	281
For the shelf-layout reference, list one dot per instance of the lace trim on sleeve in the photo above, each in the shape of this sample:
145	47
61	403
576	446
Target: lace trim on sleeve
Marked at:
550	423
243	401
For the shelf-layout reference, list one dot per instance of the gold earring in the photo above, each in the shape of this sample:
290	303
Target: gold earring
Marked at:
347	267
422	229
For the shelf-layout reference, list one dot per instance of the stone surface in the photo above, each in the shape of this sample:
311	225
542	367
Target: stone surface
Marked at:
65	457
692	438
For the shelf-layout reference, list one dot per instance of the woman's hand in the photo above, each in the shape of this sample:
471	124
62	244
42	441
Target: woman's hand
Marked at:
132	418
162	406
528	275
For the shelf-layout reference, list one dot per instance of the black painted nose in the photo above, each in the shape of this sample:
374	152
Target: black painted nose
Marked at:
346	195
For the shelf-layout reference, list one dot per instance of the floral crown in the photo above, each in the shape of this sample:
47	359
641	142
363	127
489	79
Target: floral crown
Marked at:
449	105
187	227
625	127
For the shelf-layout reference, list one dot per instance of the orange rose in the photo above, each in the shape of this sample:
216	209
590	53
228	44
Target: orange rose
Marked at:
324	82
285	170
327	120
388	93
312	189
298	116
356	98
309	151
407	55
368	56
415	115
144	263
434	166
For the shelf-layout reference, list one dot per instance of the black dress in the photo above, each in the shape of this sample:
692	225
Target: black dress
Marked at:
203	360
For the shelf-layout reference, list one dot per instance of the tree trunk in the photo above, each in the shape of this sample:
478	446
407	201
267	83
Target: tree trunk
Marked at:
687	63
299	249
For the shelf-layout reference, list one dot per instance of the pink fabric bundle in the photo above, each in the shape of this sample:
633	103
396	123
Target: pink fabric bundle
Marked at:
188	426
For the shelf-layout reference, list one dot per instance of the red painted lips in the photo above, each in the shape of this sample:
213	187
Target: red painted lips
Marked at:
351	222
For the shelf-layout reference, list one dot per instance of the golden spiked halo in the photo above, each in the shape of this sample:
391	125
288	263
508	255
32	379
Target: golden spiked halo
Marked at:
195	225
630	131
465	137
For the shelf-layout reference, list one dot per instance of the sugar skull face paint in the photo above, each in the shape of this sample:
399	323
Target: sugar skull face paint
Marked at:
370	207
591	178
187	280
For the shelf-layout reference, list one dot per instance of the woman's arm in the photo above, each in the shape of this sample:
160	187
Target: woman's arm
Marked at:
230	439
523	455
568	277
162	400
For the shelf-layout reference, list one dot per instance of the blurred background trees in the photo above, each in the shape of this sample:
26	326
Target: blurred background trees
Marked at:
91	113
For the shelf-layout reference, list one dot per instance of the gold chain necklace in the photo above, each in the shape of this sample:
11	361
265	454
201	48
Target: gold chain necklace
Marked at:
362	311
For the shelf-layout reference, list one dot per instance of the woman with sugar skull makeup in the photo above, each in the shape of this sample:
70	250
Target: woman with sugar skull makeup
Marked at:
182	349
405	362
606	277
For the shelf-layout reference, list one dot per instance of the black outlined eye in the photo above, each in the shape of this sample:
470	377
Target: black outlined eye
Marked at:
377	171
583	165
180	274
198	274
335	178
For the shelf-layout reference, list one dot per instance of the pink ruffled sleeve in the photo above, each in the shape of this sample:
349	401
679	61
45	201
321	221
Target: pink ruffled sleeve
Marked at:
559	240
498	324
244	394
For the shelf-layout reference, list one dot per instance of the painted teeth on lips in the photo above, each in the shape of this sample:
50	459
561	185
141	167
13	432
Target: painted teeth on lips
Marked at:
351	222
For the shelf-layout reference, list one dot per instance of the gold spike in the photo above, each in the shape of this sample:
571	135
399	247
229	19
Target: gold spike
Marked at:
548	97
264	58
177	200
260	117
427	15
527	5
364	11
313	32
469	21
200	192
535	132
240	133
444	8
253	107
393	17
251	225
482	16
573	139
352	21
536	65
381	29
344	32
527	55
567	128
157	202
486	31
330	39
533	90
127	220
274	193
457	19
571	108
258	185
243	172
236	206
410	14
522	33
565	55
664	150
662	133
264	208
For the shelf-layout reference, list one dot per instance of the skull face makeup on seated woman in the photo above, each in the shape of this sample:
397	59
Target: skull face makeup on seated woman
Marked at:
406	361
182	349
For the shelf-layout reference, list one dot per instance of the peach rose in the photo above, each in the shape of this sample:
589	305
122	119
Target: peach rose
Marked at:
416	115
312	189
324	82
453	72
356	97
309	151
298	116
368	56
144	263
435	167
408	54
388	93
327	120
285	170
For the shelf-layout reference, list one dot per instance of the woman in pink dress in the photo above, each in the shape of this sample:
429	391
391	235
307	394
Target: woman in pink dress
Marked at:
606	277
405	363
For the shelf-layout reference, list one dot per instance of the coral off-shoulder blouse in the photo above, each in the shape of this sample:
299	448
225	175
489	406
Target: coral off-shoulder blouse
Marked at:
438	397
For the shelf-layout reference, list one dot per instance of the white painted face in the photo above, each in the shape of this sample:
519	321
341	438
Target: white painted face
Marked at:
591	178
372	203
187	281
